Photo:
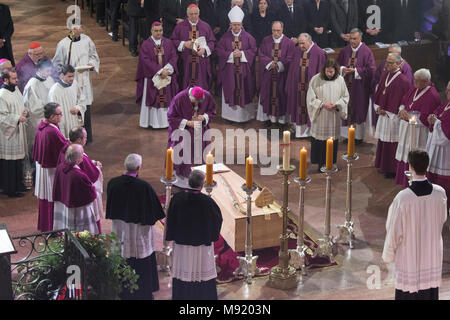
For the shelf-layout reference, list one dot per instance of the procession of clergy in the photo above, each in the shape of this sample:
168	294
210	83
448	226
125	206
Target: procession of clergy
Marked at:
45	122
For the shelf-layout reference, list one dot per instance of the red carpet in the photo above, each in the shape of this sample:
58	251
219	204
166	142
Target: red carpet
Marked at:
227	260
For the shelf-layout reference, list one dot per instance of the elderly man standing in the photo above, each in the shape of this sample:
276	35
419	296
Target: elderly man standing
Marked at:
357	67
236	51
193	224
438	145
65	94
74	195
274	53
157	59
195	41
419	102
26	68
387	100
189	116
92	169
35	97
13	147
304	63
48	143
79	51
404	66
134	208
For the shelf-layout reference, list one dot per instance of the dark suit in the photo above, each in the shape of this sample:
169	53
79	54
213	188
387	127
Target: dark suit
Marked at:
342	22
115	13
135	13
318	19
210	13
6	32
170	11
407	19
386	20
293	24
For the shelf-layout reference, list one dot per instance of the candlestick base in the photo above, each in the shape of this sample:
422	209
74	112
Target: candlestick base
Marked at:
209	188
298	258
326	247
247	268
283	278
346	233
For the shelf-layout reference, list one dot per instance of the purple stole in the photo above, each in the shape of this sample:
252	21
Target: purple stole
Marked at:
351	64
161	98
276	53
304	65
194	58
237	45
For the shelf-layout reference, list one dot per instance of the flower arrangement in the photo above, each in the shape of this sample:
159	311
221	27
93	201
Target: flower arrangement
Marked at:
107	274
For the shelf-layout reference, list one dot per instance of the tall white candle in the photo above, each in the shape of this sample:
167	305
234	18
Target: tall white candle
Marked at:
286	150
412	125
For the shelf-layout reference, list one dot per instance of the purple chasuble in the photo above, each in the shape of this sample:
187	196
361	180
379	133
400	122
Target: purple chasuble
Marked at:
359	89
272	83
316	59
72	186
243	83
394	93
148	66
48	143
87	166
182	108
426	104
202	67
444	116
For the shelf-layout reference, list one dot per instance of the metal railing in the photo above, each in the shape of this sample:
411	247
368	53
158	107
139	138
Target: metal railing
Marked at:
39	270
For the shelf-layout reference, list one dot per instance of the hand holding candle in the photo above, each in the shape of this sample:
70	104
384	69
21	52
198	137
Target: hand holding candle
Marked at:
329	161
351	142
302	170
209	169
286	150
169	164
249	172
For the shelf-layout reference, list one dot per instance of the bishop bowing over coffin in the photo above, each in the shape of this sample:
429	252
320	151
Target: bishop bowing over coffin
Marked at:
304	63
156	78
387	100
274	53
189	116
195	42
236	51
419	102
357	66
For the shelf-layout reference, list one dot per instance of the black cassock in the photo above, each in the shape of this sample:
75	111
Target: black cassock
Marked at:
193	219
133	200
6	32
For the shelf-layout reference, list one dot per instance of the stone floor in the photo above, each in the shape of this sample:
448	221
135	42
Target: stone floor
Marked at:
116	134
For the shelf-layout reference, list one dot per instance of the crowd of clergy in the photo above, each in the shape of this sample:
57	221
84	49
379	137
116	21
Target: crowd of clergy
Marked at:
45	123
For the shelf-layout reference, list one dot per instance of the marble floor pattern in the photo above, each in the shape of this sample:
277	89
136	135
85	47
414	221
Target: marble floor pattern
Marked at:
117	133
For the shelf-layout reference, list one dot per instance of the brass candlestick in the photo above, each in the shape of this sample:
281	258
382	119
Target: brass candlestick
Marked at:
326	244
284	276
247	264
298	255
346	231
166	253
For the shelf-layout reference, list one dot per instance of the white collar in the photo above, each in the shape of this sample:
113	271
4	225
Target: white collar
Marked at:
193	24
353	49
416	179
312	44
76	166
157	42
236	34
279	39
53	125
